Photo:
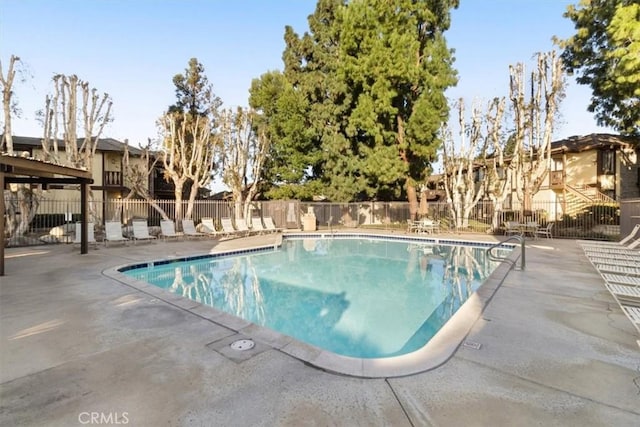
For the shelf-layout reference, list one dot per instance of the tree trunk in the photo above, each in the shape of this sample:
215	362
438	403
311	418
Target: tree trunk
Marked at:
412	197
193	193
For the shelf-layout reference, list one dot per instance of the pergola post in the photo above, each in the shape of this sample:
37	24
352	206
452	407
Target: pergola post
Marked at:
84	201
2	223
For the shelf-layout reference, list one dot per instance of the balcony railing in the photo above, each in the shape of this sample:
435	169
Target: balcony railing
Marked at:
112	179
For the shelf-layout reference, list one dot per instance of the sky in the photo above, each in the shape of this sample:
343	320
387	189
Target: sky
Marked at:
131	49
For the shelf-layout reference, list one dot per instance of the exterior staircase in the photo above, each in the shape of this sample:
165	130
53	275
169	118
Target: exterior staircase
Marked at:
576	199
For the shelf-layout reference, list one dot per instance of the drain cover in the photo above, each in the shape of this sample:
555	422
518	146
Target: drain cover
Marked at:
472	344
242	345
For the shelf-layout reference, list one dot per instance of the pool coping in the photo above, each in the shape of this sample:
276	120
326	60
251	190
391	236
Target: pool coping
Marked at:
440	348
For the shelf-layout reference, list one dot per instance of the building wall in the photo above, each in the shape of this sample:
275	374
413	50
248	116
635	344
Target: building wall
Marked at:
581	168
627	180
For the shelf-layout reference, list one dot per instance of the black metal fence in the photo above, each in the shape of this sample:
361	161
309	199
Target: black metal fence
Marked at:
53	222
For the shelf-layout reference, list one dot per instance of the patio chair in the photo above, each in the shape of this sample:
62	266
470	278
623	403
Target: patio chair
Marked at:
90	234
227	227
113	233
424	226
141	232
412	226
622	242
629	249
434	226
208	227
618	268
168	229
256	225
633	313
189	229
242	227
545	231
628	295
269	225
512	227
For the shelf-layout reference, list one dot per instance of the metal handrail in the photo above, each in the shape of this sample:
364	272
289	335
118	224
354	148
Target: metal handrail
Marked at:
596	196
497	258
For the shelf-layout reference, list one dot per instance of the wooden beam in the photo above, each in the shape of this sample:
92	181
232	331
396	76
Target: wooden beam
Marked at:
38	168
44	180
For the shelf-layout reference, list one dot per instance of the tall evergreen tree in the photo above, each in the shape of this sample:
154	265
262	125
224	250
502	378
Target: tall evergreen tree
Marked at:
281	115
395	61
605	51
373	74
194	93
367	82
312	66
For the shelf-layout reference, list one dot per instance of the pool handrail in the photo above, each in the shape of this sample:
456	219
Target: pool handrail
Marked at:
520	239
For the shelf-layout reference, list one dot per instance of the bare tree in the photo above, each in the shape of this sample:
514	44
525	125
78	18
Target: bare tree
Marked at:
21	201
534	119
136	176
243	151
8	103
526	165
460	161
187	154
74	101
497	180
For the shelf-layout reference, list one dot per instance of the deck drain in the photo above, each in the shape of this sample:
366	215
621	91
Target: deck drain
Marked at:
242	345
472	344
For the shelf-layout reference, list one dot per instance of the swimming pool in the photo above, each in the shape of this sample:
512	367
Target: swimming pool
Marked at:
354	295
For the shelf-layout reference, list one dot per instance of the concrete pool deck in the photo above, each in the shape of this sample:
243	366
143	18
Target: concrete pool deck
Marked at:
555	349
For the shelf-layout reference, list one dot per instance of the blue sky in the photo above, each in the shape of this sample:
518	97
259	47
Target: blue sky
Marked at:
131	49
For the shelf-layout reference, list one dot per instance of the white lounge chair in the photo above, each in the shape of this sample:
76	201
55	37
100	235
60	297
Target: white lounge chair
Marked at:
630	249
256	225
618	268
113	232
269	225
189	229
227	227
614	248
168	229
600	260
242	227
625	294
90	234
623	242
141	231
621	279
208	227
633	313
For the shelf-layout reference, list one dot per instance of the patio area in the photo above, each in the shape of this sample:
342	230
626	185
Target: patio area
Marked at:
554	349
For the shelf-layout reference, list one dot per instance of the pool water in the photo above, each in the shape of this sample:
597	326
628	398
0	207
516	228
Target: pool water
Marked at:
364	298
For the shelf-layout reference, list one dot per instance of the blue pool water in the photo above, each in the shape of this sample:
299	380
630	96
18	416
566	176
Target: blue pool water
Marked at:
366	298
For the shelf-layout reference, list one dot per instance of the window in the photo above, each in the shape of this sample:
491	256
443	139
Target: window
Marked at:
607	160
557	164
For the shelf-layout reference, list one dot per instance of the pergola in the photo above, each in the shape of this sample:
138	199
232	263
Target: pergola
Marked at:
20	170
